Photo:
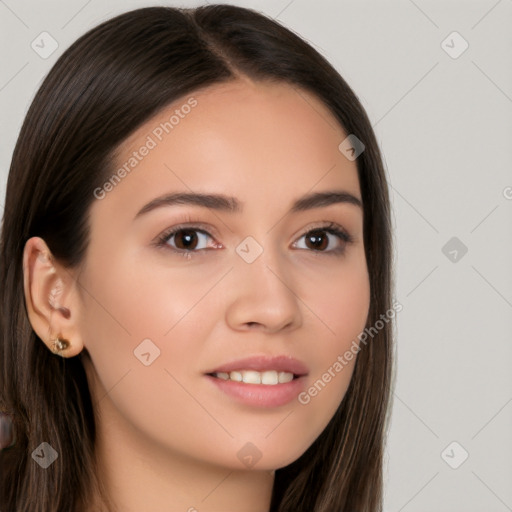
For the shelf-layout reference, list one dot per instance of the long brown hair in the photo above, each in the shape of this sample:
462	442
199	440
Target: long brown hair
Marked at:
108	83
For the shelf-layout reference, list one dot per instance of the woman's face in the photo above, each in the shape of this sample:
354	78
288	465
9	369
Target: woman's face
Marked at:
254	282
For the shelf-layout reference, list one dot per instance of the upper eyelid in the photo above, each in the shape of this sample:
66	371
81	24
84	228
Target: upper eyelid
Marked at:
182	227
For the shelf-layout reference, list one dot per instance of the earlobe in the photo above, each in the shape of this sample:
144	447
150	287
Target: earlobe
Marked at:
50	298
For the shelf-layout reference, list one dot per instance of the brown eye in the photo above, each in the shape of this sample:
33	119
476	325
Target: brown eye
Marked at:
317	240
185	239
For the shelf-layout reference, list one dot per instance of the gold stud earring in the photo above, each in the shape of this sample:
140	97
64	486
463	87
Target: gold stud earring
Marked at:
59	345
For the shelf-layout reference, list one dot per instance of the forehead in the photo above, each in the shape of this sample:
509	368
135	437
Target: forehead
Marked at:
255	139
240	104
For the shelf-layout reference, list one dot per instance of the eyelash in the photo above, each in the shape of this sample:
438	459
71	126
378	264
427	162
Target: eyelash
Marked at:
331	228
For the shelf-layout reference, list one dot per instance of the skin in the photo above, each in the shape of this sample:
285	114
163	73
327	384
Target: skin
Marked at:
167	438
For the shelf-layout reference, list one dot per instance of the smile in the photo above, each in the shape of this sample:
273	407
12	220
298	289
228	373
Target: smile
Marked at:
268	378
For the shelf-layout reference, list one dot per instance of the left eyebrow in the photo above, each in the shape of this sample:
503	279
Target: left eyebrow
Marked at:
231	204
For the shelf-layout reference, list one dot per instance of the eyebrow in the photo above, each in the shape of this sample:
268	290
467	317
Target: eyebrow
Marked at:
230	204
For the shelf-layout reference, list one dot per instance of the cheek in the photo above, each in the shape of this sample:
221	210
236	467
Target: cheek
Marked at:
339	300
137	317
341	309
138	320
133	301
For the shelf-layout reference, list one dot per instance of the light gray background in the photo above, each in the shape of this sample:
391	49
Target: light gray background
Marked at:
445	129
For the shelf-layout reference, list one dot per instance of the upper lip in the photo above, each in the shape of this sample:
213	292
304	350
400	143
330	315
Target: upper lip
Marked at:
281	363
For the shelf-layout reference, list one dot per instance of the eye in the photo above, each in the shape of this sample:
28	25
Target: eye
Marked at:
317	239
186	239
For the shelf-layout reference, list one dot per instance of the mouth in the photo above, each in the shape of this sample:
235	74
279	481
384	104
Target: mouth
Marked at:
261	381
261	369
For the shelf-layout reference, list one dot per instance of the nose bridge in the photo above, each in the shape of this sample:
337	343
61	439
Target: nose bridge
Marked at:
260	260
263	290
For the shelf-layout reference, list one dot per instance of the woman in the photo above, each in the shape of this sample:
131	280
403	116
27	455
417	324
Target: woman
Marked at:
196	276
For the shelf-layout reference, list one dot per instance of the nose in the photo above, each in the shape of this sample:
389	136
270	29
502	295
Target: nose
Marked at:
261	296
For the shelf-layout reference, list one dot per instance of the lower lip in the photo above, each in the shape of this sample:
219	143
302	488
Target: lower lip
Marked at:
260	395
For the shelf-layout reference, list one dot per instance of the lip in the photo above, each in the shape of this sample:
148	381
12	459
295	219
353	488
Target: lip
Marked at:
281	363
260	395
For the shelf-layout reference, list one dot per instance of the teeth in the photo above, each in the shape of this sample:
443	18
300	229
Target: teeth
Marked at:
251	377
270	378
285	377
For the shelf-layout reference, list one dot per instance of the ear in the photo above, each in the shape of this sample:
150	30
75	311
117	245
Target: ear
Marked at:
51	298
